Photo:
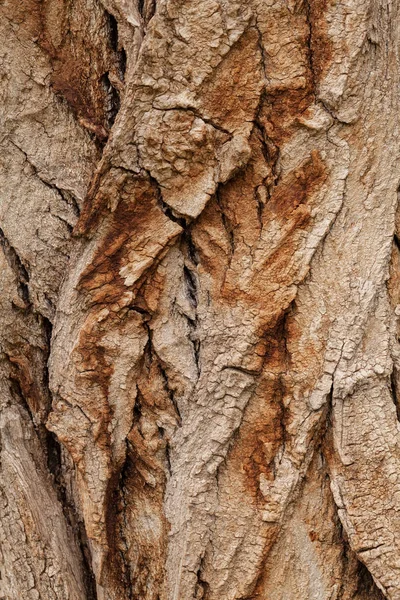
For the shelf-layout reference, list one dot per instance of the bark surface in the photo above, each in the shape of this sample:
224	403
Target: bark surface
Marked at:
200	300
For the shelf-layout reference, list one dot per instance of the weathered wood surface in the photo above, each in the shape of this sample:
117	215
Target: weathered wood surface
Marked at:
200	293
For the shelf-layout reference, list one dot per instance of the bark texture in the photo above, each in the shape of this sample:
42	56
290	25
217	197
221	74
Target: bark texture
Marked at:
200	300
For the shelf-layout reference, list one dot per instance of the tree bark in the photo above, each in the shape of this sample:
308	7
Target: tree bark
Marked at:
200	300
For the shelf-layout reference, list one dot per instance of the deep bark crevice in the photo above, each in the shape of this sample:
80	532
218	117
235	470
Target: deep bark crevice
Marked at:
394	393
227	223
123	545
366	585
113	30
19	268
122	62
112	99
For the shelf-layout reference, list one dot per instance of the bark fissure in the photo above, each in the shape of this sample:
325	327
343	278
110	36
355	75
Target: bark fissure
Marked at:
18	267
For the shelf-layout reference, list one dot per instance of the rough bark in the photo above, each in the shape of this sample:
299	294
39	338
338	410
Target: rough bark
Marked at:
200	300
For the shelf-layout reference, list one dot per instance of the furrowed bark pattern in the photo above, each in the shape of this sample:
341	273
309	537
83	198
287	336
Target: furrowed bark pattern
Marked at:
200	298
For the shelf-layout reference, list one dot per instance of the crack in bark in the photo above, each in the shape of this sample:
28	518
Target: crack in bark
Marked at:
112	30
123	551
167	210
65	195
56	469
394	394
227	223
314	85
196	113
170	392
18	267
309	43
191	284
262	49
202	587
112	102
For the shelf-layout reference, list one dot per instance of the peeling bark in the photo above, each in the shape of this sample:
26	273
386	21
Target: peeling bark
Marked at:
200	300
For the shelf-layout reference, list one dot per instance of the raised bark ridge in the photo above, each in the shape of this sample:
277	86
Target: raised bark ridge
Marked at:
198	235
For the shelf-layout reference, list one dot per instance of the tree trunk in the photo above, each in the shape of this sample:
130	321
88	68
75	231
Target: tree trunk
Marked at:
200	300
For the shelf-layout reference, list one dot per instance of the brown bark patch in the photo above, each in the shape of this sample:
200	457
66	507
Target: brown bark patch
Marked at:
297	189
91	356
263	426
28	364
141	491
320	43
310	56
78	37
105	186
268	282
137	232
231	95
26	14
281	110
